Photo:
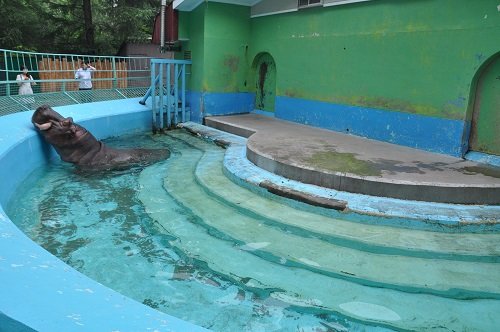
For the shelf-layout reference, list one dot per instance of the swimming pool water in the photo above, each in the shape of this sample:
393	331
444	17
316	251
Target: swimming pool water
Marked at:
96	223
180	237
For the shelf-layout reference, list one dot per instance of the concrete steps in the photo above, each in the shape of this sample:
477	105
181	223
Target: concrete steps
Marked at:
385	275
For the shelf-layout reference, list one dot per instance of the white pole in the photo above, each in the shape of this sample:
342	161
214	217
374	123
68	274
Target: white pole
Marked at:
162	25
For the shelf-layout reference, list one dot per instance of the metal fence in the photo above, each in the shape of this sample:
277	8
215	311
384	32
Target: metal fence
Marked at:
168	92
54	80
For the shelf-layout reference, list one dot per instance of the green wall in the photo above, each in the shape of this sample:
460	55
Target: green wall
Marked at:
420	57
218	40
226	41
192	29
416	56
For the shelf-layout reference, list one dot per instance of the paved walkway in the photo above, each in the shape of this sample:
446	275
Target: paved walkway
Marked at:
353	164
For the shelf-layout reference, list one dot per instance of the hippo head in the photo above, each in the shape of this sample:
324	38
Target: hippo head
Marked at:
63	134
76	145
56	129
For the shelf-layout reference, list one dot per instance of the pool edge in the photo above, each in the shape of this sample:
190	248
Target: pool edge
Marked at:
39	290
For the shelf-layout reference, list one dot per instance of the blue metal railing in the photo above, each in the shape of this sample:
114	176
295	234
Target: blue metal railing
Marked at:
167	92
116	77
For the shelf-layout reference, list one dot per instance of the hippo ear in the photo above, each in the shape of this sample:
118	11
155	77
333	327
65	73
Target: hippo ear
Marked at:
43	126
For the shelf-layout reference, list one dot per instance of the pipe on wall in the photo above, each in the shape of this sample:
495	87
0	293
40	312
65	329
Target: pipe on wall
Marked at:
162	25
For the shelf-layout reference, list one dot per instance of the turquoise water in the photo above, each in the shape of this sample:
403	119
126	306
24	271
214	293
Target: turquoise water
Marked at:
182	238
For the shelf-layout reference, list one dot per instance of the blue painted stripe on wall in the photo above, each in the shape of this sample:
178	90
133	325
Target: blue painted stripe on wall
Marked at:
228	103
209	104
195	104
417	131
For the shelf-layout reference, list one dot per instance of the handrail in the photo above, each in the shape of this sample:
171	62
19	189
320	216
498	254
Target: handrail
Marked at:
116	77
53	67
168	92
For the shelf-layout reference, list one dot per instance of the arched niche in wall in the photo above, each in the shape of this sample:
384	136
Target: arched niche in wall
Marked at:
485	112
264	73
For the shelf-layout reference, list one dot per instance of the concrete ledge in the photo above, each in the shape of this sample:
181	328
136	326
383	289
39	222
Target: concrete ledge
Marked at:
38	291
354	164
483	158
408	190
236	130
364	208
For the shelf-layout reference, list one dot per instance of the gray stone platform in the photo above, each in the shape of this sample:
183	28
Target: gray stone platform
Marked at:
359	165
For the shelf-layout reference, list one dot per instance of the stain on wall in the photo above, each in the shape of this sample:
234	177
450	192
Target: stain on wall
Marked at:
231	62
485	126
265	82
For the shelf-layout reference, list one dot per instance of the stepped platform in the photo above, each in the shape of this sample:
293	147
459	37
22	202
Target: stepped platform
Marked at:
354	164
403	278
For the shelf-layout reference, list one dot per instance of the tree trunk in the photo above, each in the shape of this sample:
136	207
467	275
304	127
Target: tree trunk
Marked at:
88	26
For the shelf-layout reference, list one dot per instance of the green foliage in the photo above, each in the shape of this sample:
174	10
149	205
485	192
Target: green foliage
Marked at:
59	26
19	21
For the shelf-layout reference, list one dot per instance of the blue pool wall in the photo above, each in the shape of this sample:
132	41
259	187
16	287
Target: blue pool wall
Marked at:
445	136
39	291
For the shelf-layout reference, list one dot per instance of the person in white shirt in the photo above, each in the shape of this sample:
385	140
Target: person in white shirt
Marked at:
84	75
25	81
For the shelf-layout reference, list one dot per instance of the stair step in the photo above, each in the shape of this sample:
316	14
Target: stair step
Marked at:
373	238
301	287
444	277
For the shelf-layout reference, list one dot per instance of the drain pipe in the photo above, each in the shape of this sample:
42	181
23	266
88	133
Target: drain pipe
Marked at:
162	25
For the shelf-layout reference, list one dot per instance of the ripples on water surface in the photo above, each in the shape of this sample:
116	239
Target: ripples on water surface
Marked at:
97	224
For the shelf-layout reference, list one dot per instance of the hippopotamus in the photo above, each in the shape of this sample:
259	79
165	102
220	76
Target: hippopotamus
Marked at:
76	145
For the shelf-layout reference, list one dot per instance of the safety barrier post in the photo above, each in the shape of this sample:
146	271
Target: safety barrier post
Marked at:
176	93
7	85
153	95
161	95
115	76
183	92
169	108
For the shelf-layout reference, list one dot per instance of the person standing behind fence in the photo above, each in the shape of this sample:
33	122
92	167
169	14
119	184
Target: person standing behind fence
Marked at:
84	75
25	82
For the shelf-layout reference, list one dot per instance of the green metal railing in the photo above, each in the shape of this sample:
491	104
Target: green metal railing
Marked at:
54	79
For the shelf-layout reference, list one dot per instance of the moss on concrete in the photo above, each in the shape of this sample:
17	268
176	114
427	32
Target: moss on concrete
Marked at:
487	171
342	162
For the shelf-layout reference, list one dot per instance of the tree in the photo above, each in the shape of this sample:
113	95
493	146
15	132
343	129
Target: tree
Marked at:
88	25
120	20
75	26
19	23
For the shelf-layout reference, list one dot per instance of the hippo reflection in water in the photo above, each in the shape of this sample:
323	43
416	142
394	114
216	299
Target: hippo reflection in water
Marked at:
76	145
